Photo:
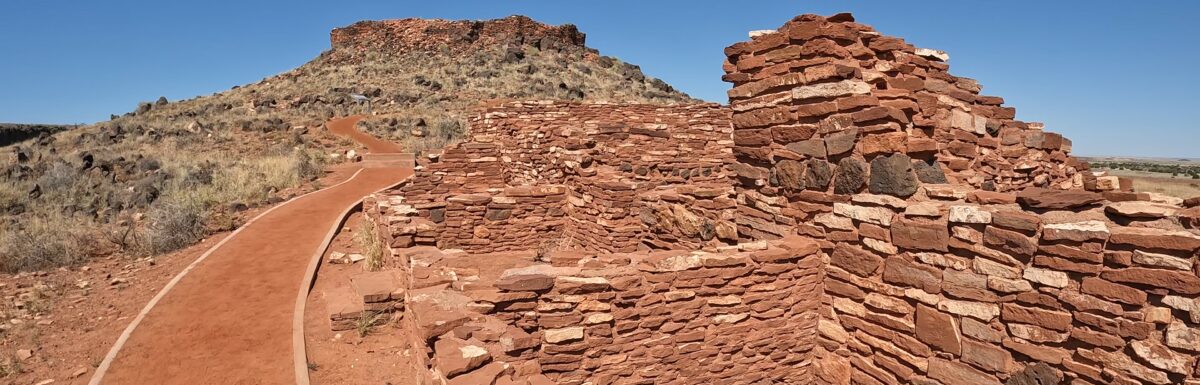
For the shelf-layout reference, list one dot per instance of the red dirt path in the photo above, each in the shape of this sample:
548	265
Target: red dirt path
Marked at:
229	321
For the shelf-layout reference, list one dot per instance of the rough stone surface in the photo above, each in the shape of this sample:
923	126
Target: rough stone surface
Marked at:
851	175
893	175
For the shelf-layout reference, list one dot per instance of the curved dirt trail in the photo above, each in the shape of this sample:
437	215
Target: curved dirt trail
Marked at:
229	319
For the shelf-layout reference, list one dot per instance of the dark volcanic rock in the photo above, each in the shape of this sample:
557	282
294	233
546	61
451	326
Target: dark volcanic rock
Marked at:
929	171
893	175
851	175
1036	374
817	175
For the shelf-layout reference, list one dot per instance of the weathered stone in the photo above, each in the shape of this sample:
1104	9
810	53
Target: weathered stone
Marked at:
850	177
1160	357
900	271
1078	232
1016	220
580	285
1009	241
531	278
1037	373
929	171
1141	210
1180	336
1046	277
1155	239
969	214
1040	198
485	375
830	90
893	175
790	174
920	234
1050	319
876	215
455	356
814	148
990	357
855	260
1161	260
950	372
842	141
563	335
817	174
1112	291
939	330
978	310
1180	282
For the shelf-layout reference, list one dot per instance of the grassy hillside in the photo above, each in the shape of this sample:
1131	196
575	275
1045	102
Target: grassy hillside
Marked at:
168	173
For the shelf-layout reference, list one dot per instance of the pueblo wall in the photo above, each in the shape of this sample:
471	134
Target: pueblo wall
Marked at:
892	226
963	247
458	36
826	105
740	315
571	175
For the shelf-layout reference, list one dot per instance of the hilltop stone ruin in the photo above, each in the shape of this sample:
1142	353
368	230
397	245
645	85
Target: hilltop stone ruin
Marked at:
856	215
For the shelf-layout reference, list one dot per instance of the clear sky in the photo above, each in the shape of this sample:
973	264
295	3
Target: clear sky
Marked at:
1116	77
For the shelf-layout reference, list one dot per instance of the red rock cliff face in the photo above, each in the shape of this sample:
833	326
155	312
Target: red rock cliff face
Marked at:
459	36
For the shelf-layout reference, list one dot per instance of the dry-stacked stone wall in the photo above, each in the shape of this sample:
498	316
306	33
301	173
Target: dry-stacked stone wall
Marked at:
856	216
1041	287
829	106
593	176
740	315
964	247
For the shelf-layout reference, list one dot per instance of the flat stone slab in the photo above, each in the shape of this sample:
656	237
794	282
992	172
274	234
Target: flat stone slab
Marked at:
343	308
375	286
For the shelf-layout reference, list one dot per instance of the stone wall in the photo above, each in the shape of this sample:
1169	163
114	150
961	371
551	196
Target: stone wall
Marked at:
457	36
736	316
990	288
864	218
936	274
827	105
597	176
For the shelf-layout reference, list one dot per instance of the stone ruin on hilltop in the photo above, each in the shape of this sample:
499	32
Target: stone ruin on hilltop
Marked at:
455	36
855	215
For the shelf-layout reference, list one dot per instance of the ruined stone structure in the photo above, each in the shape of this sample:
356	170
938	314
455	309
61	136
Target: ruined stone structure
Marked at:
855	216
586	176
407	35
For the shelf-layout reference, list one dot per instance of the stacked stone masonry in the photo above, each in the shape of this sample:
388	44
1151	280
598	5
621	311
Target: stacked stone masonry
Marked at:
569	175
855	216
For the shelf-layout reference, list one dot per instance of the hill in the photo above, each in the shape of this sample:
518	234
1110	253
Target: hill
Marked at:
164	175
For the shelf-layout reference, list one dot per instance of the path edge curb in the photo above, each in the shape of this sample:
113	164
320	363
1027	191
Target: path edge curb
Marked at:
102	369
299	347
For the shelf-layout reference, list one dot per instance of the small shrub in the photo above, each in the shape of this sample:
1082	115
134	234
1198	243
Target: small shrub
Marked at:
306	168
59	178
172	226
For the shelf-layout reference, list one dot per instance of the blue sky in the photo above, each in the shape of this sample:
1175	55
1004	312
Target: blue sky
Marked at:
1115	77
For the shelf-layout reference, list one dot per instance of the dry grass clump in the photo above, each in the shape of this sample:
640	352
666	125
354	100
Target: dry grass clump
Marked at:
39	243
370	244
245	181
